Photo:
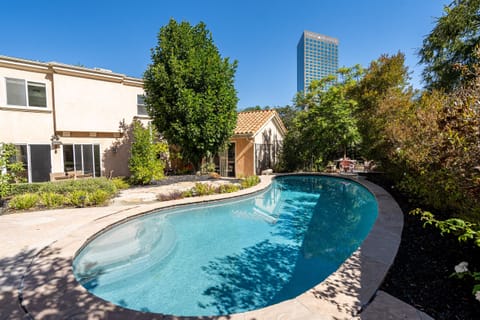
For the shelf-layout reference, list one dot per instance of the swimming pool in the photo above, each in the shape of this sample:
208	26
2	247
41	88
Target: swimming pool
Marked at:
230	256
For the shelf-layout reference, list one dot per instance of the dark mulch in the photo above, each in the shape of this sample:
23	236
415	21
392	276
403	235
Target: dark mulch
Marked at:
420	275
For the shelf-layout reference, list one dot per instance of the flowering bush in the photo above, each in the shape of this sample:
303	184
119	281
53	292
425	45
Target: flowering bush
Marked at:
464	231
461	267
461	271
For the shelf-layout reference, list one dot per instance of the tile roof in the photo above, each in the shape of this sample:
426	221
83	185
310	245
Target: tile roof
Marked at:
250	122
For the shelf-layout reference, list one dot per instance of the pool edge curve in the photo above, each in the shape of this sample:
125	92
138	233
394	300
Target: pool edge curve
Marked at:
344	294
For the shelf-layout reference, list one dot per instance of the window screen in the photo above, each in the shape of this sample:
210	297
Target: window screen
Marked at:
68	163
78	158
40	162
87	159
96	153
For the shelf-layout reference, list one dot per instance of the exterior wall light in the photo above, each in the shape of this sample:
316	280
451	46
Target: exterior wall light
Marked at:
55	142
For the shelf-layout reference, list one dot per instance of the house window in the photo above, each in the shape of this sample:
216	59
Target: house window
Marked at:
26	93
141	110
82	157
36	161
22	156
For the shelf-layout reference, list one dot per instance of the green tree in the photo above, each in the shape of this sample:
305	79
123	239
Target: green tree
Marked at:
287	114
145	163
10	169
439	143
452	42
381	94
190	91
256	108
326	126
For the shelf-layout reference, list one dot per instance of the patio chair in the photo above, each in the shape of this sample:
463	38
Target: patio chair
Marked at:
347	165
369	165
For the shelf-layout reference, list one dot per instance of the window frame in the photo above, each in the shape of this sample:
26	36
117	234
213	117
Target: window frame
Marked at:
26	85
141	107
79	160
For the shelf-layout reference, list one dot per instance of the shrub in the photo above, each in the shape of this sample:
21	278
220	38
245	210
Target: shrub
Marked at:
250	181
144	163
228	188
120	183
78	198
207	167
22	188
52	200
93	184
87	185
24	201
97	198
10	170
464	231
188	193
203	189
78	193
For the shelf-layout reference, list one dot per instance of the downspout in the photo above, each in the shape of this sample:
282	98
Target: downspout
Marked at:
53	103
54	116
254	157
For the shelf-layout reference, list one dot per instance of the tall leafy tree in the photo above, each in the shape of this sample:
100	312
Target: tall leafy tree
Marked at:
287	114
452	43
381	94
190	91
326	126
439	141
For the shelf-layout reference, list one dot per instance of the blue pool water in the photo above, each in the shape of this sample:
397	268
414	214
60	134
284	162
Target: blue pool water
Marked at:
230	256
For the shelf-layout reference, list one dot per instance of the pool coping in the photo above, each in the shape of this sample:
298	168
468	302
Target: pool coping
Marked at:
50	291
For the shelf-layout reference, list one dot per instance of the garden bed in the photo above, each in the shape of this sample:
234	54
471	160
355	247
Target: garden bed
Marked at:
420	275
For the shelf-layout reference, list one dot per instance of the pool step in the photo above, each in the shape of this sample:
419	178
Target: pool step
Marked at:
115	260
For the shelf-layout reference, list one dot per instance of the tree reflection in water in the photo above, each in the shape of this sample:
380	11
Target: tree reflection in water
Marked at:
304	250
251	278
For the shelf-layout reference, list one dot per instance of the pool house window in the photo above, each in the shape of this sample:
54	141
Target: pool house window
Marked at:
26	93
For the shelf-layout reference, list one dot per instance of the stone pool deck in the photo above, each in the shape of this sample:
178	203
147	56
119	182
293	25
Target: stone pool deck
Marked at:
36	251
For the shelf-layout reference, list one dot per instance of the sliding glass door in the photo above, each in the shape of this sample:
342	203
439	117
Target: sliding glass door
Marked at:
82	157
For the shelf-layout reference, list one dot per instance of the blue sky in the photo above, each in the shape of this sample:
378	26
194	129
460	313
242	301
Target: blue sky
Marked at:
261	35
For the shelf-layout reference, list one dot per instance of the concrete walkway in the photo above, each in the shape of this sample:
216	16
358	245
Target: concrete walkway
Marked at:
36	250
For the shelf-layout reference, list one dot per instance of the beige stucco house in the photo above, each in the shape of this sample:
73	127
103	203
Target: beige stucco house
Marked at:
65	118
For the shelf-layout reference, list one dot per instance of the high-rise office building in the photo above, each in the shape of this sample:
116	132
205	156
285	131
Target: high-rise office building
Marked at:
317	57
